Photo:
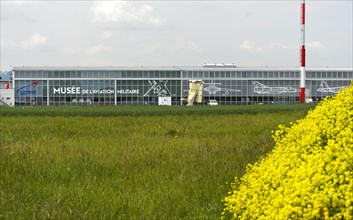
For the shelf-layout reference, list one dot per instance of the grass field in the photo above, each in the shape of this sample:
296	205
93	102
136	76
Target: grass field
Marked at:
126	110
129	162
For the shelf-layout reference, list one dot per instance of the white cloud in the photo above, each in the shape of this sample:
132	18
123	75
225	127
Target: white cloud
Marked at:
125	14
256	47
281	46
251	46
96	49
34	41
166	47
314	44
7	43
185	45
68	50
18	3
106	35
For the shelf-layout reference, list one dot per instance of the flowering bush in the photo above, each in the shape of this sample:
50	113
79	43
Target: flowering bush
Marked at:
309	173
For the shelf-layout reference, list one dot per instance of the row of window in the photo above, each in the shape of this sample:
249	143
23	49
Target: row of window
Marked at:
267	74
185	74
97	74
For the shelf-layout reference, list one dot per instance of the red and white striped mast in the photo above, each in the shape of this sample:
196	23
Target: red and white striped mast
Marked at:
302	55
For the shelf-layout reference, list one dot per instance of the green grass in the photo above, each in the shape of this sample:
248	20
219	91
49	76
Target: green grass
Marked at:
165	163
140	110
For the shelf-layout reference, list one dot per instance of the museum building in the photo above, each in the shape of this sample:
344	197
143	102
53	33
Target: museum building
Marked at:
228	84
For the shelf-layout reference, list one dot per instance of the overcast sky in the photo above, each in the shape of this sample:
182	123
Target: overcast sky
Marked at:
180	33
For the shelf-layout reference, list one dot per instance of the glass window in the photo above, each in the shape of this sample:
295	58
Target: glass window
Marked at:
132	75
156	74
66	74
276	75
350	75
254	74
151	74
79	74
200	74
84	83
330	75
217	74
84	74
144	74
195	74
39	74
45	74
110	74
296	74
19	74
172	74
89	74
62	74
163	74
178	74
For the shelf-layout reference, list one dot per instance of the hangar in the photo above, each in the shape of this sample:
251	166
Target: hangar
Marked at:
228	84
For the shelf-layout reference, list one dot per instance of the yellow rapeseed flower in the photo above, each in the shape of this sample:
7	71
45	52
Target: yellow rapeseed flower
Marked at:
309	173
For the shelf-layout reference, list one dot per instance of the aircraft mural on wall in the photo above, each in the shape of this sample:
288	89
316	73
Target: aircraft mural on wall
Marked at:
158	87
260	88
213	88
326	89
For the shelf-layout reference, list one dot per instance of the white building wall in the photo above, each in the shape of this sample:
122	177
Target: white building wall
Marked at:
7	97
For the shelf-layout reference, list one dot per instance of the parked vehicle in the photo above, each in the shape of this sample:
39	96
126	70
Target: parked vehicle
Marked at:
212	102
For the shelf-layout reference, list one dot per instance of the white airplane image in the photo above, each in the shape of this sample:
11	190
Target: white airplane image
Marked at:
158	87
325	88
212	89
263	89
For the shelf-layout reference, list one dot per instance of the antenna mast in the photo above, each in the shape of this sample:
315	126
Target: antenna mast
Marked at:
302	55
